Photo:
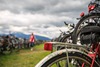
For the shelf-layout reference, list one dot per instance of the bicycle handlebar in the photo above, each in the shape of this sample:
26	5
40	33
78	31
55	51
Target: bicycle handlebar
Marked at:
65	23
71	25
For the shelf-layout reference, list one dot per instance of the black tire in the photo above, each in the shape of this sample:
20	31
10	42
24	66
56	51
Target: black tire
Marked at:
64	39
77	28
73	55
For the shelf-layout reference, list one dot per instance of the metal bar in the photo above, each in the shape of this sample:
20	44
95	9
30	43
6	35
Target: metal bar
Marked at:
72	46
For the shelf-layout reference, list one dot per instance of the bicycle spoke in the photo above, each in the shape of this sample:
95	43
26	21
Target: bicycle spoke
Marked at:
58	64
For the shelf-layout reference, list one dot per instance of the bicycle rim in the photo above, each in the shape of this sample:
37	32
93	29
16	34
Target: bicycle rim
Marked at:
76	59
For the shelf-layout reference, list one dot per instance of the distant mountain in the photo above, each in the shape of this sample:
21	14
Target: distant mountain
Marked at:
22	35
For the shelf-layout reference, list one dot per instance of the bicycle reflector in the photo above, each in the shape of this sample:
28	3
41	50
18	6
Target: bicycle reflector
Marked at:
91	7
82	14
48	46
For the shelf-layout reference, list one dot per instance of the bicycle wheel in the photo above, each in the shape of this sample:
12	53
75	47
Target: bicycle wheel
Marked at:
60	59
94	18
66	38
6	50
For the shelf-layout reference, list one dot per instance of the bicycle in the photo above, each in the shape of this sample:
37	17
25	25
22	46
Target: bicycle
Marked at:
85	55
76	55
5	45
72	56
66	36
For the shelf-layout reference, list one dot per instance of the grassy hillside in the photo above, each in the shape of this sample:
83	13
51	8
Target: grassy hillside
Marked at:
23	58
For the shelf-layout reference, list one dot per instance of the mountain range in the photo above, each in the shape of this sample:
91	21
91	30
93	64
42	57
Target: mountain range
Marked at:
22	35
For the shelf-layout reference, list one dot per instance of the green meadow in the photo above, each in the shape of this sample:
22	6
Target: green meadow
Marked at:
24	58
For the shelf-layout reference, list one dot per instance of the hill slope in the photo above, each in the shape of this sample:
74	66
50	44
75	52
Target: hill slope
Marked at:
38	37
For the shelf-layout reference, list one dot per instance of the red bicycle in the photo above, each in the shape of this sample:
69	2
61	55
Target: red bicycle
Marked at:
87	54
86	33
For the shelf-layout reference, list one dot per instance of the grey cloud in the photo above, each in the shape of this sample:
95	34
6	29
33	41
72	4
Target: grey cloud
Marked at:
25	5
51	14
4	28
43	6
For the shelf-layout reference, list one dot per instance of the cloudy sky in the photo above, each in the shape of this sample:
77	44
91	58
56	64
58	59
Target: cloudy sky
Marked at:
43	17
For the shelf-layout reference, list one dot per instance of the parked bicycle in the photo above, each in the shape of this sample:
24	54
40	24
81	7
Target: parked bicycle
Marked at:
76	55
67	35
5	45
86	33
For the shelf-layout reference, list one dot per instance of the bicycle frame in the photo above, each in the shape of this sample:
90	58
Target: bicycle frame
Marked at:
93	55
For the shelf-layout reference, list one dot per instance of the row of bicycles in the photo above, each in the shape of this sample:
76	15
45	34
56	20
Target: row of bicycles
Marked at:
10	43
79	48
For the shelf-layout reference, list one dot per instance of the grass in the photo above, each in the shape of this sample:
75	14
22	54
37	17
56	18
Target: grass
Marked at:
23	58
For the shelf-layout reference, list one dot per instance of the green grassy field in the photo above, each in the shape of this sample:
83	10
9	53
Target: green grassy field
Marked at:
23	58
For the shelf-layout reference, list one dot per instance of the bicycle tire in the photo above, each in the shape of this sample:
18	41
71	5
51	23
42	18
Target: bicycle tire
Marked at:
76	32
61	54
64	39
7	51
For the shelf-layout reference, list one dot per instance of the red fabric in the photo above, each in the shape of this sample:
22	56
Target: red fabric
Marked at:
31	38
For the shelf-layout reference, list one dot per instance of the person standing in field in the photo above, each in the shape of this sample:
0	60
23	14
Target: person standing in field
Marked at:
31	40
